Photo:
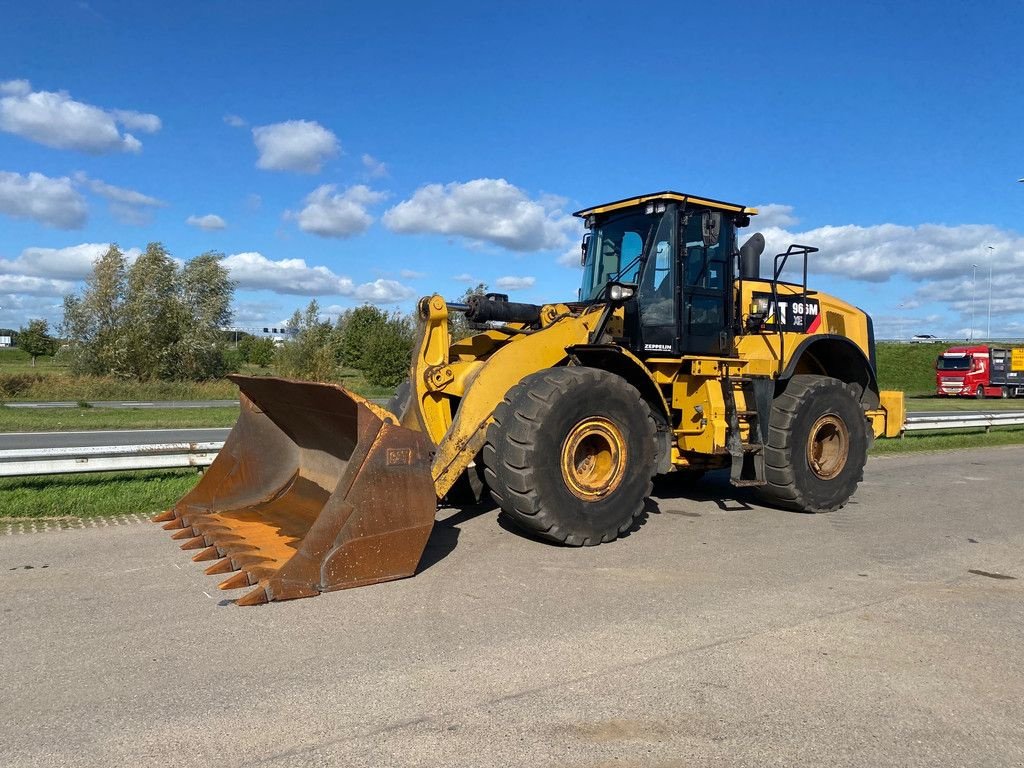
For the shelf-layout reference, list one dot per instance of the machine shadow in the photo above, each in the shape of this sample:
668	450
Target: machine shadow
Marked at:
445	535
714	487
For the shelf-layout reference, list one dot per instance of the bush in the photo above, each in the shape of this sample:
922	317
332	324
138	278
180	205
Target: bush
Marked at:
388	351
14	384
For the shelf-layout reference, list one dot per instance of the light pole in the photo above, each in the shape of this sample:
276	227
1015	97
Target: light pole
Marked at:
990	251
974	285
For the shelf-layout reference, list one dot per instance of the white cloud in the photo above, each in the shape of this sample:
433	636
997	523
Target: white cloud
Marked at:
384	292
572	258
485	211
137	121
374	167
337	214
464	277
411	274
924	252
54	119
511	283
937	257
71	263
209	222
127	205
296	145
34	286
775	215
54	202
235	121
254	271
15	88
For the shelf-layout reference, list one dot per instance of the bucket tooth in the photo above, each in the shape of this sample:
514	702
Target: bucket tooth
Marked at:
223	566
183	533
163	517
210	553
197	542
240	579
177	522
257	597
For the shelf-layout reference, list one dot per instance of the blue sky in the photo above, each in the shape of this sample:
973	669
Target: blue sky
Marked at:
384	152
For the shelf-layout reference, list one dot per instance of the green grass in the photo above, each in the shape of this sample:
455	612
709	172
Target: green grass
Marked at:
94	495
950	440
909	367
74	419
964	404
50	381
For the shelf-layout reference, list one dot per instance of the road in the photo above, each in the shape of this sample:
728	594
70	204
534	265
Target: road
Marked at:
720	633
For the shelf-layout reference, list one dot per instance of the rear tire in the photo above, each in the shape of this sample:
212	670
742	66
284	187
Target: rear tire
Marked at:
817	445
571	454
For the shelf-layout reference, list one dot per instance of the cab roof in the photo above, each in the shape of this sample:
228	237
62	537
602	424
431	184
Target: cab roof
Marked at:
678	197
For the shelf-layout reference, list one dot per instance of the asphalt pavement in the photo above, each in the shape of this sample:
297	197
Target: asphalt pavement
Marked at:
719	633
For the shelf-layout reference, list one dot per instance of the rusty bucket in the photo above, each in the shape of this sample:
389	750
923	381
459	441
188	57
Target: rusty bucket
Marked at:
316	489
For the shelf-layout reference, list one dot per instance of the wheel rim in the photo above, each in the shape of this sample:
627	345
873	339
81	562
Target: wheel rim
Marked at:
593	458
828	446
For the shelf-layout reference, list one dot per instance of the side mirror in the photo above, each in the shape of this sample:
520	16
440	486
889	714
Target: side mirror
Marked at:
584	246
711	227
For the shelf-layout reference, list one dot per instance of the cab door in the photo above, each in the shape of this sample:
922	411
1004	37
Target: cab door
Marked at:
707	285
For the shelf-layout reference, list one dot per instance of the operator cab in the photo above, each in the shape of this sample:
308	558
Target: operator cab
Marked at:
670	258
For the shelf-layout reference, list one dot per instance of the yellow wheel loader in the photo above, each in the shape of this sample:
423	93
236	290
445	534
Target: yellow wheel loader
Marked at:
678	354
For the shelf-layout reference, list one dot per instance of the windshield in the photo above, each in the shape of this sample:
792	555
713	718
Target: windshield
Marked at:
614	251
959	363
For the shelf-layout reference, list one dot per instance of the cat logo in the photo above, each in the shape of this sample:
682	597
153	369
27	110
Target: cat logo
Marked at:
793	314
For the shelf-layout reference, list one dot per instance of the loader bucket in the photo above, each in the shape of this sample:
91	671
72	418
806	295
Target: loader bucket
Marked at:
316	489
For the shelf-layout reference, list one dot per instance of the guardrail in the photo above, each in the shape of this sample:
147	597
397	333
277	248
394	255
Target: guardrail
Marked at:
948	420
18	462
15	462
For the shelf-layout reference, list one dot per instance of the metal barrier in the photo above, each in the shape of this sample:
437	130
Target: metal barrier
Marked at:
947	420
17	462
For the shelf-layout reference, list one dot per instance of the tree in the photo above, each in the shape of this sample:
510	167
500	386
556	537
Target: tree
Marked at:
458	325
388	351
256	350
36	340
94	322
311	352
355	328
152	319
205	294
154	316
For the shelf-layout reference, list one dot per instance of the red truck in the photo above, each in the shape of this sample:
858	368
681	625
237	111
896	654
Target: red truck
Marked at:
980	371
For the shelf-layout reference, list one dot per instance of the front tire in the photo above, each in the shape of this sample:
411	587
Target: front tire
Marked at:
571	454
817	445
980	393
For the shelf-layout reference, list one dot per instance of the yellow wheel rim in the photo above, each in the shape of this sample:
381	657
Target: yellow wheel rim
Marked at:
828	446
593	458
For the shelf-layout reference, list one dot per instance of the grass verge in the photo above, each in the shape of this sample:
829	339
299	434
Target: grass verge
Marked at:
72	419
964	404
101	494
950	440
